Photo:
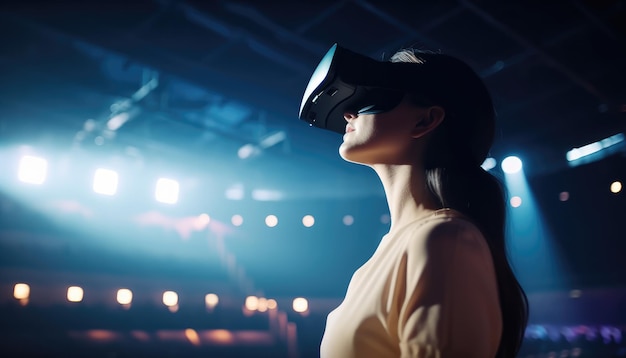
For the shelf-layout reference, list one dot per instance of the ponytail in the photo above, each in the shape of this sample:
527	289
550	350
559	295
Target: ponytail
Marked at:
452	159
479	195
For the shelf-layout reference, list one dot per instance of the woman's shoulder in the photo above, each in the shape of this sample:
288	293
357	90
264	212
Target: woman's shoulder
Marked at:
442	229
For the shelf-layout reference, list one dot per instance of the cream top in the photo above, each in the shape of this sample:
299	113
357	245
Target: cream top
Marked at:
429	290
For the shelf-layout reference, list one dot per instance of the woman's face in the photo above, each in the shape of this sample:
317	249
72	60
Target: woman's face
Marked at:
384	138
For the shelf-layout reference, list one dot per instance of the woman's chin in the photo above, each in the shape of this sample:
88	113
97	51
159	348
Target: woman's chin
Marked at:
350	154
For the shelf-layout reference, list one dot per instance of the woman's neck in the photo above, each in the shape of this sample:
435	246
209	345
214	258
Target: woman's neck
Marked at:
407	194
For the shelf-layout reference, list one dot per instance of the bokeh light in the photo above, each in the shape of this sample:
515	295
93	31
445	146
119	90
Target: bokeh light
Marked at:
348	220
192	336
74	294
489	164
511	165
616	187
124	296
564	196
32	170
252	303
516	201
167	191
21	291
300	304
262	304
105	181
211	300
202	221
236	220
271	220
170	298
308	220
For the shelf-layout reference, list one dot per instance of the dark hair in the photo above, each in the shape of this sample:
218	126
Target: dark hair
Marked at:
453	159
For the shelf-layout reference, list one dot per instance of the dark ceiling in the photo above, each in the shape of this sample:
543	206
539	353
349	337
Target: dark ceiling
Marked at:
232	73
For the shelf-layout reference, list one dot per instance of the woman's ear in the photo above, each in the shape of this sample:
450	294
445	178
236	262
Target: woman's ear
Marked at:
430	119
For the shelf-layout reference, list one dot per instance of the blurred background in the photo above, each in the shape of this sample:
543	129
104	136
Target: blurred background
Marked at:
160	198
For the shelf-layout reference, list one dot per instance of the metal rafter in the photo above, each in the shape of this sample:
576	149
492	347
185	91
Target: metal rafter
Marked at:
256	16
409	30
423	29
548	59
226	30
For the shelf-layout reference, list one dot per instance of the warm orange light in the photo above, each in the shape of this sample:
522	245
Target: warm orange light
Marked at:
262	304
211	300
616	187
300	304
21	291
170	298
101	335
220	336
252	303
192	336
124	296
272	304
74	294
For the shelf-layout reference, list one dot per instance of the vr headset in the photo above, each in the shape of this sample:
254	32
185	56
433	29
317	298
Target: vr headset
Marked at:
345	81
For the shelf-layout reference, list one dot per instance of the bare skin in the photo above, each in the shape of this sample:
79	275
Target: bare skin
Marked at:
392	143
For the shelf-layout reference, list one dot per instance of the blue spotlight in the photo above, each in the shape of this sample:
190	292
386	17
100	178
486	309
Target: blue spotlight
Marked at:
167	191
489	164
511	165
32	170
105	181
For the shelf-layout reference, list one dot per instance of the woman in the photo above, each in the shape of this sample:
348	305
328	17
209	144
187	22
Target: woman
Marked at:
439	283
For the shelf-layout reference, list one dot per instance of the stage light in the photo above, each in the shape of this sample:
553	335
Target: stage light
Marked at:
266	195
300	304
21	291
272	304
236	220
211	300
252	303
611	142
271	221
105	182
235	192
308	220
115	122
348	220
74	294
220	336
32	170
262	305
192	336
247	151
511	165
124	296
167	191
489	164
616	187
516	201
202	221
170	298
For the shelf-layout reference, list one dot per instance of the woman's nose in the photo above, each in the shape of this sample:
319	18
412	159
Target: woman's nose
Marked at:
348	116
